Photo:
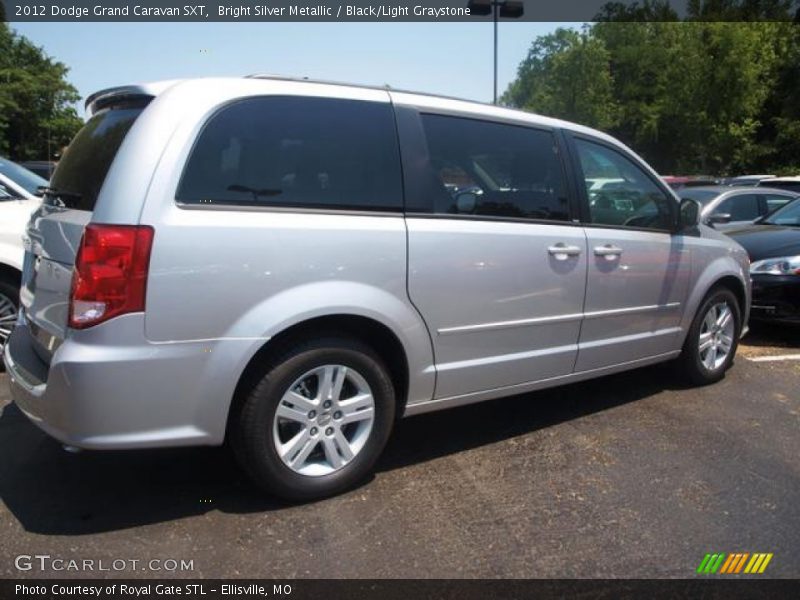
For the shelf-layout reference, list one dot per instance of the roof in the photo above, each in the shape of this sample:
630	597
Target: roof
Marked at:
99	99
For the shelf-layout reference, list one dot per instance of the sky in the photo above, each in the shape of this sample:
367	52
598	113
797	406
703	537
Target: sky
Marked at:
453	59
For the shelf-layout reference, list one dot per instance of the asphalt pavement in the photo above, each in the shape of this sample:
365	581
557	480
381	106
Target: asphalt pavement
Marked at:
631	475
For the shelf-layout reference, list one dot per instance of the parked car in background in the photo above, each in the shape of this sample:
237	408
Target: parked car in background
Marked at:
773	244
678	182
785	183
745	180
727	208
43	168
18	199
292	265
18	181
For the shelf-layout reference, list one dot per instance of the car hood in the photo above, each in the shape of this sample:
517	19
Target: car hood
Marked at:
768	241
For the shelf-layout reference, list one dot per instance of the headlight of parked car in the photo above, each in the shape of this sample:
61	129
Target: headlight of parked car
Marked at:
783	265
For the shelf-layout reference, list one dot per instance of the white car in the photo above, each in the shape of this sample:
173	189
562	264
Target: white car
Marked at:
18	199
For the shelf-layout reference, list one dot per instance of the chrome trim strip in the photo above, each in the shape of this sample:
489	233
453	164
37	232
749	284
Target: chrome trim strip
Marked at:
555	319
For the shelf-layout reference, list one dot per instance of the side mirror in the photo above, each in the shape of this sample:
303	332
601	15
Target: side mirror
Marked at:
719	218
466	202
689	213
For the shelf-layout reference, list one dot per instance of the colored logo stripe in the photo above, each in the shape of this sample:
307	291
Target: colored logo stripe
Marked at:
734	563
711	563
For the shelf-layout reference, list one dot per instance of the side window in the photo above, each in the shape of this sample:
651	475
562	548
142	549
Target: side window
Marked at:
297	152
496	170
620	192
774	202
740	208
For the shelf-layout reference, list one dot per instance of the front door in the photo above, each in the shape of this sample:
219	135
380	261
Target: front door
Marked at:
638	269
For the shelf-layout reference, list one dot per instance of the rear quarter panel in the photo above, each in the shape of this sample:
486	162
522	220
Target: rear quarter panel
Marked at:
242	274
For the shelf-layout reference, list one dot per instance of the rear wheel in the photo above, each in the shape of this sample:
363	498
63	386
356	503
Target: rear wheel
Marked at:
317	421
713	338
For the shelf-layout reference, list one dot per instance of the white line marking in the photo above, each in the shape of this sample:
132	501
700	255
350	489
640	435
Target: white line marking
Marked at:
774	358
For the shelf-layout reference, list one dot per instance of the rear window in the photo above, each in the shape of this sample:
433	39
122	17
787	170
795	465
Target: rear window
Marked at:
792	186
82	170
297	152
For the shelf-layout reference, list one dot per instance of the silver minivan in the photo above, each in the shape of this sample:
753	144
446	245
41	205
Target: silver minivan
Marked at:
290	266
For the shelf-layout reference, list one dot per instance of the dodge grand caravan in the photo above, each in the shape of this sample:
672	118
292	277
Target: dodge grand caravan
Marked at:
290	266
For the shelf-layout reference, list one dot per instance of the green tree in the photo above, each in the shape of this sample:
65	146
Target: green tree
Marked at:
693	97
37	112
566	74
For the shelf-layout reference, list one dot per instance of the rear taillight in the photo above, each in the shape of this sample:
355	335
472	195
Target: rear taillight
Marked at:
110	276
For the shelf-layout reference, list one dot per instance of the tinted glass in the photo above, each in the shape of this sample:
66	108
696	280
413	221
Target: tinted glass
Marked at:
297	152
495	170
740	208
775	202
82	170
792	186
701	195
24	178
631	198
788	215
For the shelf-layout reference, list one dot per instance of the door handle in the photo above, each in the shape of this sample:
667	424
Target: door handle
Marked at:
562	251
609	251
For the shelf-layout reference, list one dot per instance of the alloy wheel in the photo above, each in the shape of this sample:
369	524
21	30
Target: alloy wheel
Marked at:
8	316
323	420
716	336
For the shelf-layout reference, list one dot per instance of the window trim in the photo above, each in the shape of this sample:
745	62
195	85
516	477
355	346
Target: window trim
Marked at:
572	137
287	207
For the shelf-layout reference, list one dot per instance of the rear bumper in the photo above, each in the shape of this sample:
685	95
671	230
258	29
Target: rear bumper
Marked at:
776	298
110	388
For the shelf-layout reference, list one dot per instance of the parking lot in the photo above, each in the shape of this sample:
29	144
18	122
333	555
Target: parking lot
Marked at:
627	476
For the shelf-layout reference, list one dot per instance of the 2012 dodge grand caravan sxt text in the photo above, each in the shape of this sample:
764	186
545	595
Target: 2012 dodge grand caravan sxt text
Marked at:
292	266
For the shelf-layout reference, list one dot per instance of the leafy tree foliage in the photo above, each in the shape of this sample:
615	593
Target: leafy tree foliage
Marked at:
699	96
36	101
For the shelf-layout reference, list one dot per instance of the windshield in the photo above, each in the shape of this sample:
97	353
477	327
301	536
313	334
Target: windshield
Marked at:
25	179
701	196
81	172
787	215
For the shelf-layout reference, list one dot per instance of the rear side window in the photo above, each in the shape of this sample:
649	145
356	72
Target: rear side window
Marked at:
83	168
493	169
297	152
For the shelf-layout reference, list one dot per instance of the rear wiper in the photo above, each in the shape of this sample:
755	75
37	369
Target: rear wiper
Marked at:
42	190
236	187
56	194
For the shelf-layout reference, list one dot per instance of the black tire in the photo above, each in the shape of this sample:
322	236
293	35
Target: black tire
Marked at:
690	361
251	431
8	289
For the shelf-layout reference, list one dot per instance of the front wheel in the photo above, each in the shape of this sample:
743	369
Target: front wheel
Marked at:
713	338
317	421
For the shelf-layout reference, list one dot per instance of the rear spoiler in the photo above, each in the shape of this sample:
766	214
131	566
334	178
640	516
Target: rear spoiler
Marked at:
139	94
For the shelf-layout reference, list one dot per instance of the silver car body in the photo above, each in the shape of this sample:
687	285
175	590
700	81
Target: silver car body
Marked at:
768	199
480	308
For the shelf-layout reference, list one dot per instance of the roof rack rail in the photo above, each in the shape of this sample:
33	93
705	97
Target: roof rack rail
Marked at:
385	87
